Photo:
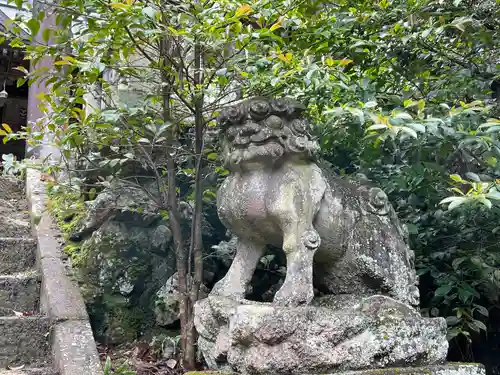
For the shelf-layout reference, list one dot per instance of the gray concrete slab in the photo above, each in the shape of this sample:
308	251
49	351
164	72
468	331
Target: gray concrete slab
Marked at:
60	298
74	349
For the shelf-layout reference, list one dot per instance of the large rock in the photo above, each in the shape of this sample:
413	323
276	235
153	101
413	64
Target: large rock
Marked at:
351	333
124	258
168	301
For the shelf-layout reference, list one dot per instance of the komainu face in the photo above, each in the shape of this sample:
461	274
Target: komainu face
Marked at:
263	131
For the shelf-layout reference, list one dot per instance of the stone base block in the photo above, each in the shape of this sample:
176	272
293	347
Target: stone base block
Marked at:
351	334
447	369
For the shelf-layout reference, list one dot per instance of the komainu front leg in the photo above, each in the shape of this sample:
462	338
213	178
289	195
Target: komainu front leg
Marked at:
240	273
300	245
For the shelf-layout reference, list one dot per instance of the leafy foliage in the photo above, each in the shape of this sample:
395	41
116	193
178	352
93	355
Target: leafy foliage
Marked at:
405	92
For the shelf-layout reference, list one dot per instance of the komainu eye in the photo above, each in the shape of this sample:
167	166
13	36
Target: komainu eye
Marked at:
274	122
259	110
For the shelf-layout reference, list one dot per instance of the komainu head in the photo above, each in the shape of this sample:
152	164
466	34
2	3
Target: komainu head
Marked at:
261	131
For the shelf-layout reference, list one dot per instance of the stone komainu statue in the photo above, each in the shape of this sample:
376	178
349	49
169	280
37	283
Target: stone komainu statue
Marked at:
344	235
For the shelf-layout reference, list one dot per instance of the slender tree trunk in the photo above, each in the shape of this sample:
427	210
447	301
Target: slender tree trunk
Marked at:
171	201
196	248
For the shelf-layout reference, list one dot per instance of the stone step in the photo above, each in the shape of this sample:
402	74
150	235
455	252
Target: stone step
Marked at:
17	255
15	225
20	292
14	214
11	188
29	371
24	341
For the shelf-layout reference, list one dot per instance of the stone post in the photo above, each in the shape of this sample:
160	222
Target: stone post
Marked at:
35	118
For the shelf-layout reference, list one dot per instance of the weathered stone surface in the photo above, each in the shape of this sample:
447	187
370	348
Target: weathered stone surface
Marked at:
11	188
15	227
74	349
14	216
16	254
278	195
168	299
72	344
446	369
24	341
366	333
28	371
125	259
61	298
20	293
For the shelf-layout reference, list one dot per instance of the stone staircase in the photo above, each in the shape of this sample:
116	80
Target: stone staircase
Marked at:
24	331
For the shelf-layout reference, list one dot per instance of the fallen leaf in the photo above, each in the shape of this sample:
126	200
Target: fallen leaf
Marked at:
171	363
46	177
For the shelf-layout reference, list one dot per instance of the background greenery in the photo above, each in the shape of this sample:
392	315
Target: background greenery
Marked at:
406	92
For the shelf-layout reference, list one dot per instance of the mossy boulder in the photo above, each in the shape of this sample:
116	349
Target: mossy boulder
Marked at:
123	258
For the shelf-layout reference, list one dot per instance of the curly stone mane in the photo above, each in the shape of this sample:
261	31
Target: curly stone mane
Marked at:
276	126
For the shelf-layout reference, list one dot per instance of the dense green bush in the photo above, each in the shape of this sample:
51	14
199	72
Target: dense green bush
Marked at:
405	92
458	252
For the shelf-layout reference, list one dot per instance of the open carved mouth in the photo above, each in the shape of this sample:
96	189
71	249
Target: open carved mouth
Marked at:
263	142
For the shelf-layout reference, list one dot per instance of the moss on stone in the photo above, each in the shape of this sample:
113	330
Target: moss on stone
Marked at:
113	268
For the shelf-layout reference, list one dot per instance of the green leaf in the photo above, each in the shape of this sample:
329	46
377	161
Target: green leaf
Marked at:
34	26
107	366
492	161
409	131
493	194
443	290
456	178
403	115
376	127
472	176
482	310
20	82
149	12
454	202
480	325
46	34
416	126
485	202
7	128
164	214
276	25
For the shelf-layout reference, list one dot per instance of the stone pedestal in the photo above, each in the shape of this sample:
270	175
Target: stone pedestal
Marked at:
347	334
446	369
